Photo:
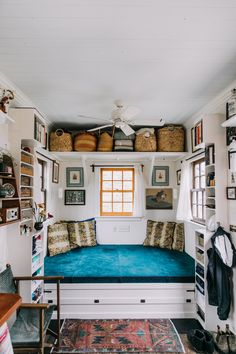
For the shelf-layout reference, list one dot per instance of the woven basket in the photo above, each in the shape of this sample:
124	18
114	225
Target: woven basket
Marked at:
85	142
105	142
60	141
171	138
146	142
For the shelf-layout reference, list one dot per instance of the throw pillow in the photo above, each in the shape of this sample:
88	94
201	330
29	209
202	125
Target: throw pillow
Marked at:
159	234
178	239
82	233
58	240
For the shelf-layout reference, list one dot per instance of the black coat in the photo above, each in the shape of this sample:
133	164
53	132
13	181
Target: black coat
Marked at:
219	278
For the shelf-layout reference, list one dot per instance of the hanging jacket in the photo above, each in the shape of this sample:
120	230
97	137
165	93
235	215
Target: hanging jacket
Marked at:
222	258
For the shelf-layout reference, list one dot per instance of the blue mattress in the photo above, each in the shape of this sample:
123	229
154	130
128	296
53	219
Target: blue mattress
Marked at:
122	264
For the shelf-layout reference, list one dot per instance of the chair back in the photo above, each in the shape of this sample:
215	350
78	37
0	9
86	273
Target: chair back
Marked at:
7	284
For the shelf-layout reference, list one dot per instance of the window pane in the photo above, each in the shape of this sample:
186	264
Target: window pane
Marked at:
194	211
107	207
196	170
107	175
127	185
117	197
107	197
117	207
199	197
197	182
200	212
202	168
107	185
127	175
128	207
194	197
204	213
117	175
117	185
127	197
203	182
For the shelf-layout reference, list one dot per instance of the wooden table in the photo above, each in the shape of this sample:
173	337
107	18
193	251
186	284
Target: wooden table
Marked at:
8	304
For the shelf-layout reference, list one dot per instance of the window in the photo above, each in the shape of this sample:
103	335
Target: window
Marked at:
117	192
42	181
198	191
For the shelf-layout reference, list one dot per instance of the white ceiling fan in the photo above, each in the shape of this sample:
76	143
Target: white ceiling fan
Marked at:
121	118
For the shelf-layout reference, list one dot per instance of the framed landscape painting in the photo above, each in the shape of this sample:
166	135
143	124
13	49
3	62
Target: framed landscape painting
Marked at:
159	198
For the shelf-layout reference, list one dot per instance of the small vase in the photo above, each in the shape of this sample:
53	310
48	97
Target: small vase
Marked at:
38	225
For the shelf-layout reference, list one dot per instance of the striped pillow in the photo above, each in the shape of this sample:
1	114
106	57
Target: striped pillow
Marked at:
159	234
58	240
178	238
82	234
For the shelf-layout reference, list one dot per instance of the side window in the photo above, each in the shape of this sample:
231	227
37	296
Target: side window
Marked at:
198	192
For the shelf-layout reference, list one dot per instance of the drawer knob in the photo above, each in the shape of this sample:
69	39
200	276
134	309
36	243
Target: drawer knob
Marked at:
142	301
96	301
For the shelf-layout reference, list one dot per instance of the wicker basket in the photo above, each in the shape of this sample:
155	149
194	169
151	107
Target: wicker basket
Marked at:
145	141
105	142
171	138
85	142
60	141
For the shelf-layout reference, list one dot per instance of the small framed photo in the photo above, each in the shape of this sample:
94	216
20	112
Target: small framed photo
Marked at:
55	172
74	197
160	176
74	177
231	193
196	136
178	177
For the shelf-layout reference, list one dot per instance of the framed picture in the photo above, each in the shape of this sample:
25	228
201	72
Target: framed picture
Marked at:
160	176
74	197
178	177
159	198
74	177
231	193
55	172
196	136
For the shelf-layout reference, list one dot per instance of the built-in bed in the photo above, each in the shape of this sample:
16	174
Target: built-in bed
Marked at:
118	281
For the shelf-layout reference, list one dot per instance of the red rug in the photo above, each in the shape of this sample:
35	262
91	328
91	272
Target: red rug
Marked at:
89	336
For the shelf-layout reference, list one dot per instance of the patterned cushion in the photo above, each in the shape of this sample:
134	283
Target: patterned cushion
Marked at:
82	233
178	238
58	240
159	234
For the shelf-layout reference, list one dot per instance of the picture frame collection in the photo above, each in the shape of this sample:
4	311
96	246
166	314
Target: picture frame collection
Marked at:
74	179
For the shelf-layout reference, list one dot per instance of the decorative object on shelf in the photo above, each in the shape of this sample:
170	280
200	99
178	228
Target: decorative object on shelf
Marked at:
40	215
38	225
146	140
3	192
178	177
61	141
160	176
159	198
105	142
210	180
196	136
171	138
231	105
231	193
230	135
55	172
74	177
6	97
10	190
9	214
74	197
6	164
85	141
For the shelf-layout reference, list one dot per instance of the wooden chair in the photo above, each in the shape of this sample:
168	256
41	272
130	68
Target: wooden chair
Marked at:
32	321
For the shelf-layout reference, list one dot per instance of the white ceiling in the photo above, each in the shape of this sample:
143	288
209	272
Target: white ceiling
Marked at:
167	57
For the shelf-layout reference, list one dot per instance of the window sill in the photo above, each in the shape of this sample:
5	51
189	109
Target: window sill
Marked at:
119	218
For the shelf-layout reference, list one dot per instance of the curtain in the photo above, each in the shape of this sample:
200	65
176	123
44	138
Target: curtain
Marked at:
139	192
184	210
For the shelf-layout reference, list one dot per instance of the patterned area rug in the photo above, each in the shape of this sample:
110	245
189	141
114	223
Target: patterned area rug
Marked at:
120	336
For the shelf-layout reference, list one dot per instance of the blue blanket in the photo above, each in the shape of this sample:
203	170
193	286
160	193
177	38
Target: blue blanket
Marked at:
122	264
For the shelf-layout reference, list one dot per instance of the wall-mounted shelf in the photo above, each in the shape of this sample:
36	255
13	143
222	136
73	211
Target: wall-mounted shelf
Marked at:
231	122
116	156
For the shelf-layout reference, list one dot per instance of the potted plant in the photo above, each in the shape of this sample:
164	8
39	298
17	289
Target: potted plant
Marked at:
40	216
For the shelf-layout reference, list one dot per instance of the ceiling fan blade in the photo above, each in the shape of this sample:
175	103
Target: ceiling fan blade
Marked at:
101	127
153	123
94	118
127	130
129	112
